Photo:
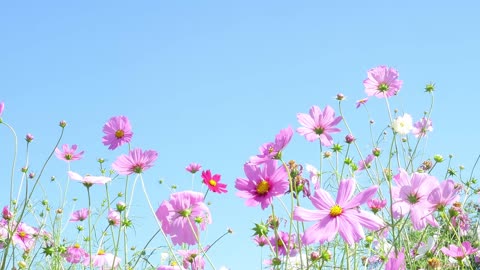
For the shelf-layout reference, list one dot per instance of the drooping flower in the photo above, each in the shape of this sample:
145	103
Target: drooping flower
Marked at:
68	154
361	102
273	150
342	216
213	182
80	215
192	259
75	254
319	125
421	127
411	196
262	183
260	240
24	237
376	204
193	167
403	124
459	252
284	244
89	180
136	161
103	260
117	132
366	163
444	194
382	82
181	214
396	261
113	217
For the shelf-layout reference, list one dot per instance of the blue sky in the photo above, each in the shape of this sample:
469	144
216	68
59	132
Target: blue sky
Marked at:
210	81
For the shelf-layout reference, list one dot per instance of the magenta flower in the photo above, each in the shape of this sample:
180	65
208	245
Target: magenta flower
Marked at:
136	161
376	204
361	102
396	262
117	132
284	244
75	254
341	216
444	194
213	182
24	237
382	82
89	180
411	196
319	125
6	214
459	252
181	213
273	150
113	217
421	127
262	183
68	154
103	260
80	215
366	163
193	167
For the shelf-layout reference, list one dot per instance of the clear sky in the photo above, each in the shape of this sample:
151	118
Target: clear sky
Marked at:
210	81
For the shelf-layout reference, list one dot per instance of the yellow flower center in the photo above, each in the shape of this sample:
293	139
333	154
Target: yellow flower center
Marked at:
76	245
336	211
212	182
119	134
270	149
22	234
279	243
263	187
101	252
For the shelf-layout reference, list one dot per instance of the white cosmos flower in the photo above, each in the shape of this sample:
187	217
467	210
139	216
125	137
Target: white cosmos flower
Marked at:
403	124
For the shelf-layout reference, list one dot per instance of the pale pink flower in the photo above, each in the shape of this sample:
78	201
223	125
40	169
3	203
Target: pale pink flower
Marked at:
459	252
192	259
444	194
181	214
68	154
80	215
193	167
382	82
75	254
411	196
273	150
421	127
89	180
319	125
376	204
314	175
113	217
103	260
2	106
24	237
136	161
341	216
366	163
262	183
117	132
396	261
260	240
361	102
284	244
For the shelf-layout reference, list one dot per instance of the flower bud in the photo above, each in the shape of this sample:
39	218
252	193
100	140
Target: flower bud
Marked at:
340	97
121	206
349	138
376	151
62	124
430	87
29	137
438	158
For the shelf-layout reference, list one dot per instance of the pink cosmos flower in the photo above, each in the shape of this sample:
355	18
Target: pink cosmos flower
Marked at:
213	182
24	237
89	180
113	217
80	215
192	259
260	240
273	150
75	254
411	196
193	167
319	125
181	213
262	183
444	194
284	243
396	262
6	214
103	260
376	204
2	106
68	154
382	82
341	216
421	127
459	252
361	102
366	163
169	267
136	161
117	132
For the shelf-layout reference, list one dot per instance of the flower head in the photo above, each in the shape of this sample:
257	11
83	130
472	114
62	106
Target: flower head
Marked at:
340	216
421	127
314	175
193	167
103	260
262	183
68	154
6	214
136	161
361	102
284	243
273	150
376	204
396	261
80	215
24	237
192	259
213	182
403	124
75	254
459	252
113	217
181	214
319	125
382	82
366	163
89	180
444	194
29	137
2	106
117	132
